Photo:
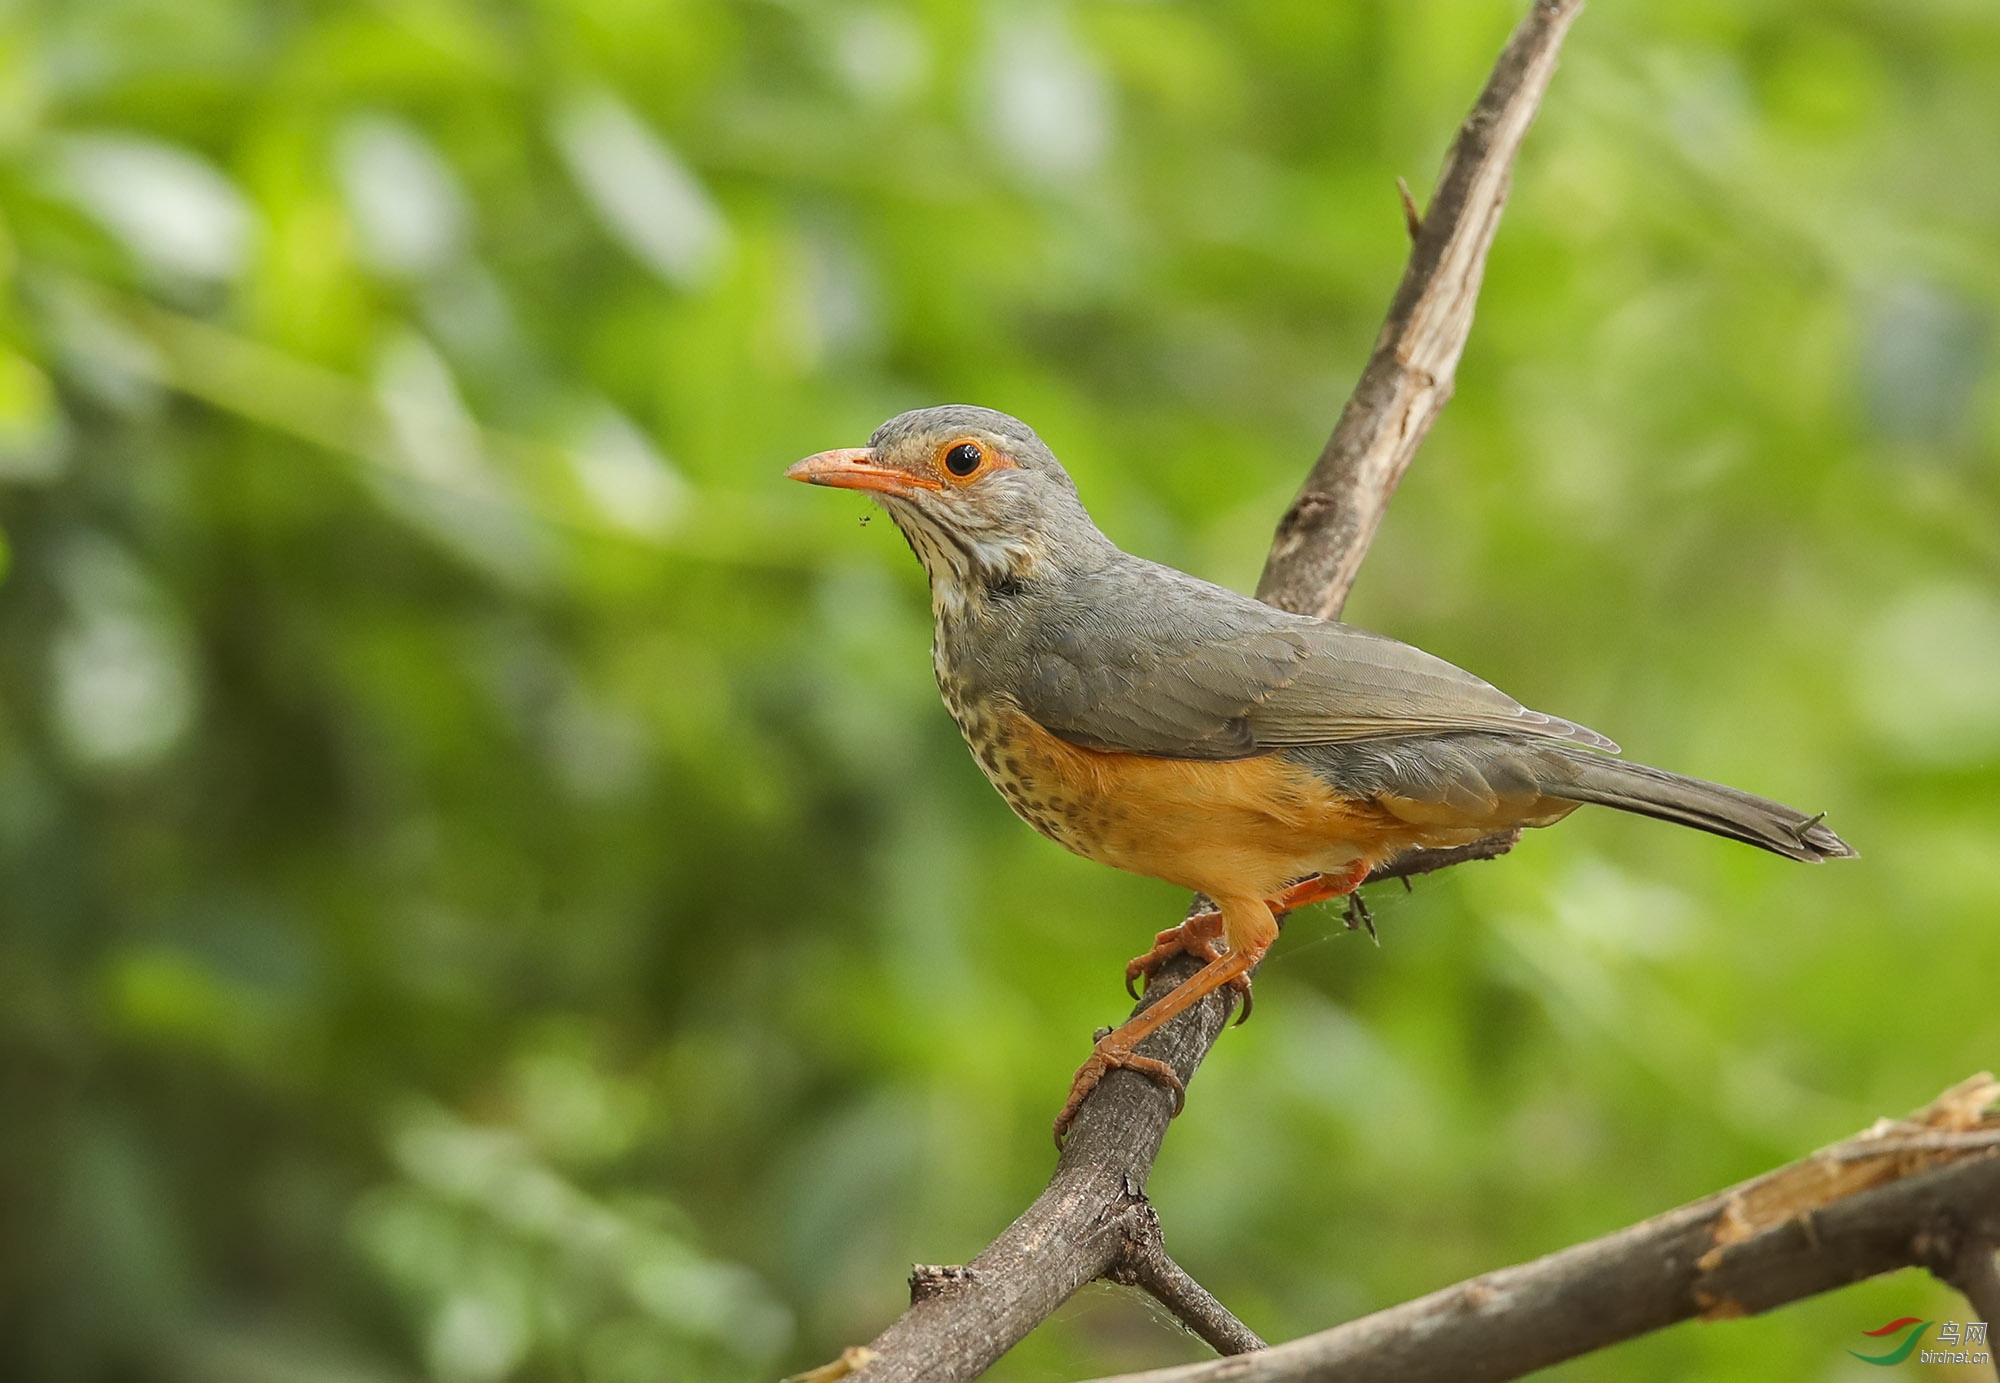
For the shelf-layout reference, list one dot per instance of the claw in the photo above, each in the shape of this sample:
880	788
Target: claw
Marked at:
1359	918
1111	1055
1195	937
1226	966
1201	943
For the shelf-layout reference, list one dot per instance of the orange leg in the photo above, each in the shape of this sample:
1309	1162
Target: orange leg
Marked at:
1198	935
1248	928
1244	945
1115	1049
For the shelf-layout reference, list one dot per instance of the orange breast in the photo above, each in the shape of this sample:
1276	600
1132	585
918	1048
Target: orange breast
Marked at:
1246	826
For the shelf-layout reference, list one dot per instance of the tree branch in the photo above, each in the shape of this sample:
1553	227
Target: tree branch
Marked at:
1147	1267
1411	863
1089	1218
1326	533
1976	1274
1093	1212
1869	1205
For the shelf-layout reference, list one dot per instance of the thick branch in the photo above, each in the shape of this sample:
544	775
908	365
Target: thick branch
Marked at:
1867	1206
1082	1225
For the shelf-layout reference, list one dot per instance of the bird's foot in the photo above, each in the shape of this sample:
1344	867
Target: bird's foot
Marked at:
1254	933
1114	1052
1199	936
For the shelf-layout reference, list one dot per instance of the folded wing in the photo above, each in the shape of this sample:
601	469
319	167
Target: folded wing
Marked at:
1160	663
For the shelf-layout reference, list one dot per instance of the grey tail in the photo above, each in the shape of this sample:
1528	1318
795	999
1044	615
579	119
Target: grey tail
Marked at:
1583	776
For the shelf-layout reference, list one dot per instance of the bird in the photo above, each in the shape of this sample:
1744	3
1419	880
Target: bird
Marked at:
1167	726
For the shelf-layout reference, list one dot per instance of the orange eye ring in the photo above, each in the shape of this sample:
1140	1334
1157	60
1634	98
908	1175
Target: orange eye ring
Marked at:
964	459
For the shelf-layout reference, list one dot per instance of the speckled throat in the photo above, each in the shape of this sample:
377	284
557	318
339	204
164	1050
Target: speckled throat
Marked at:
990	724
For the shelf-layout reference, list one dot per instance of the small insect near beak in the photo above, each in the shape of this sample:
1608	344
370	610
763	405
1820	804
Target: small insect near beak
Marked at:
854	468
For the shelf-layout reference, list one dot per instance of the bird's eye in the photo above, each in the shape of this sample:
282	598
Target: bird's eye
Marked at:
963	459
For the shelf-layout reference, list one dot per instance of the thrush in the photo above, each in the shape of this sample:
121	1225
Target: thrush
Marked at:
1163	725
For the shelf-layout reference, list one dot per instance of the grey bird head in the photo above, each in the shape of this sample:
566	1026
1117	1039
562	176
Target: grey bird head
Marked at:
983	502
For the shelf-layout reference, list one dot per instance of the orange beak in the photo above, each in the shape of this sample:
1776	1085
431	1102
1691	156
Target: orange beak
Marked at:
854	468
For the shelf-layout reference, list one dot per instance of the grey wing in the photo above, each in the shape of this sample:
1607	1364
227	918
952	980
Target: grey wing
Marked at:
1115	684
1355	685
1215	675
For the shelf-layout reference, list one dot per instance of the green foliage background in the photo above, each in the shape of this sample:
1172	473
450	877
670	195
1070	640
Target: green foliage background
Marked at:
486	887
